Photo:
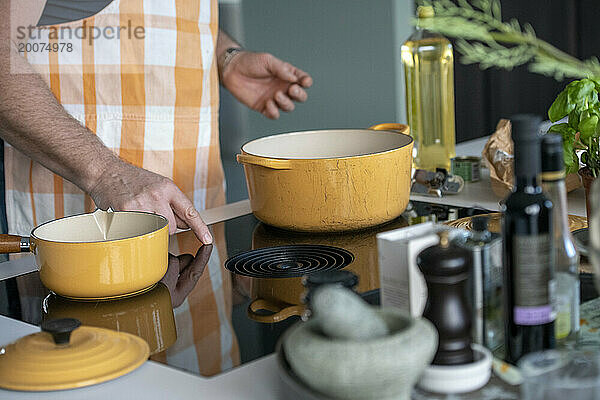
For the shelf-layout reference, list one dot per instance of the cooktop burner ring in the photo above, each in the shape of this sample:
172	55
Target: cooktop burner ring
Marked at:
289	261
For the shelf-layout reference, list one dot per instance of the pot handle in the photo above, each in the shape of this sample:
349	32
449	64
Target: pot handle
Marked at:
13	244
272	163
281	311
392	126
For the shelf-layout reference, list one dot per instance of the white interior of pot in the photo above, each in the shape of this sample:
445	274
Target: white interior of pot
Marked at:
326	144
84	228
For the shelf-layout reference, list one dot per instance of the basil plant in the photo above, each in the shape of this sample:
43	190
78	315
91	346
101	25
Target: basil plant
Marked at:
579	101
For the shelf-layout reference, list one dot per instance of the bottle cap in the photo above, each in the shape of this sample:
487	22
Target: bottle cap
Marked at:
480	223
425	12
525	127
552	153
526	138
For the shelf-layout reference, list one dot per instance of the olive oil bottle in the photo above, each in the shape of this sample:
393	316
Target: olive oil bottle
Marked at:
428	62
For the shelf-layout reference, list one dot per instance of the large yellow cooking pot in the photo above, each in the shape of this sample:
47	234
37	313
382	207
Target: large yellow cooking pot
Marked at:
329	180
97	255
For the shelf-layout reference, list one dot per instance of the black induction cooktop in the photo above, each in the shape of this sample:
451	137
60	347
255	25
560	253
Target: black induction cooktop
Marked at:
206	319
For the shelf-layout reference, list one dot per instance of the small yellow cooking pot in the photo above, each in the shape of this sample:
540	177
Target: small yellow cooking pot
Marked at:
97	255
329	180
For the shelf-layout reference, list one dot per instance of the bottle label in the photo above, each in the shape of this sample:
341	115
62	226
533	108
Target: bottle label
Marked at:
533	283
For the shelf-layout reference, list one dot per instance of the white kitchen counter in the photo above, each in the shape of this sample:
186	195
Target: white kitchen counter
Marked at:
257	380
480	195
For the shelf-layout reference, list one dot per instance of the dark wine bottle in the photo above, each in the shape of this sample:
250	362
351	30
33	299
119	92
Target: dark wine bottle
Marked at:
528	250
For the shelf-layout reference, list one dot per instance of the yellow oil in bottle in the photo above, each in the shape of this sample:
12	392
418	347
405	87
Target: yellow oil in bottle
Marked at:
429	75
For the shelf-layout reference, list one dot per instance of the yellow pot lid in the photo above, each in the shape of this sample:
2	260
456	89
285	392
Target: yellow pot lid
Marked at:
66	355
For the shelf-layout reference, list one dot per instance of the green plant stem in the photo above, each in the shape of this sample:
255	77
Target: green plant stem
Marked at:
543	48
545	58
559	54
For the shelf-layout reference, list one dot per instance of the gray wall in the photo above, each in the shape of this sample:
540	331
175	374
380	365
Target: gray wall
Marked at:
350	48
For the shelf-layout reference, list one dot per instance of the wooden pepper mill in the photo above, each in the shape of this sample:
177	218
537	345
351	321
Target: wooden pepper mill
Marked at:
446	269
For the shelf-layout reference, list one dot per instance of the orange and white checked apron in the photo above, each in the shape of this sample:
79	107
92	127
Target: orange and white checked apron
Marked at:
153	99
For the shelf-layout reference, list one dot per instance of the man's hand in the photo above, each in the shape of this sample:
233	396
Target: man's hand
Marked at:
124	187
265	83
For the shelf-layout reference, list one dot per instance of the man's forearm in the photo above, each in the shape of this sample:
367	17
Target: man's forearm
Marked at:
33	121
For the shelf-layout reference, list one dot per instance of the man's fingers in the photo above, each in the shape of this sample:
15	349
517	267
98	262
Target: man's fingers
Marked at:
296	93
168	214
180	223
289	73
281	69
271	110
187	213
303	78
306	81
284	102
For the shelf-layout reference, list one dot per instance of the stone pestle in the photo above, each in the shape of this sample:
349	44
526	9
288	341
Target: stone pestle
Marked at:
342	314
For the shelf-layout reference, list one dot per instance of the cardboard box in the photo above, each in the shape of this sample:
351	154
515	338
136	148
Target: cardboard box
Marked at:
402	284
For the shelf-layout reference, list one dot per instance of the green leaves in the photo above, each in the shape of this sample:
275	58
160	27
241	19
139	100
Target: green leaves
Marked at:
581	92
579	95
579	100
560	108
570	157
569	138
566	131
587	126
